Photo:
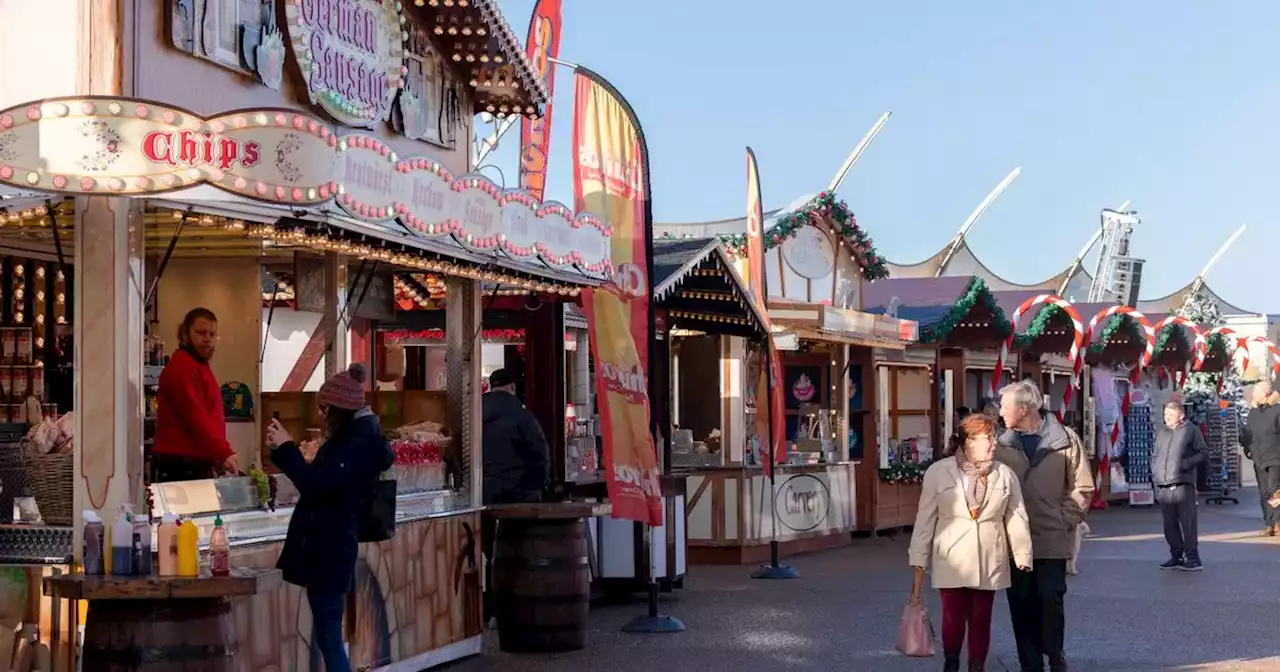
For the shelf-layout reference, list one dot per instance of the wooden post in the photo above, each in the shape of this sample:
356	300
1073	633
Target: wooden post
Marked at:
334	323
462	359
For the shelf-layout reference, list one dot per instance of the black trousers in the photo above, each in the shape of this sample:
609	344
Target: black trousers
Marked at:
1180	509
1268	483
1036	601
1261	475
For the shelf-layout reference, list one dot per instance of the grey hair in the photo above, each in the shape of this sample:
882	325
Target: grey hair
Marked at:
1025	394
1175	406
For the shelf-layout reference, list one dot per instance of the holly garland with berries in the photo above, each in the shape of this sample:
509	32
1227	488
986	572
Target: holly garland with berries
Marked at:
823	208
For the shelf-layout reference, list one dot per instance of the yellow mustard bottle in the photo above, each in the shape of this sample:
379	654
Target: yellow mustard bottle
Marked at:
188	549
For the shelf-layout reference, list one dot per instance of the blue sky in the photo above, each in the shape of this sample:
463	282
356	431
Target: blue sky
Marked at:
1172	105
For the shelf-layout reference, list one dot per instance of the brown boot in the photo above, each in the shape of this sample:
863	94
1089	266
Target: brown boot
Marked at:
977	665
1268	531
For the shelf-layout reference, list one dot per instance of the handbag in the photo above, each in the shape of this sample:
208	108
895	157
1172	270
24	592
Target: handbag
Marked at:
915	632
379	520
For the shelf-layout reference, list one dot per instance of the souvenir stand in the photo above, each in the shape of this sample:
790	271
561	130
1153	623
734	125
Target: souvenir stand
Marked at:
1222	421
709	333
1120	342
958	317
816	259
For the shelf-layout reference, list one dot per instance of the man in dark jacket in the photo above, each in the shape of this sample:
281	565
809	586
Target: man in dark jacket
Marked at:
1057	485
517	462
1264	428
517	459
1179	450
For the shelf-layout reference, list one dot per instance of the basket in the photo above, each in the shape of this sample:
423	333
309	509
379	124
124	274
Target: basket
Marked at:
52	481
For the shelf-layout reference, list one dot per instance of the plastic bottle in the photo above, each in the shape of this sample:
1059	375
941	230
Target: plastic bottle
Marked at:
167	538
95	535
141	544
219	549
122	544
188	549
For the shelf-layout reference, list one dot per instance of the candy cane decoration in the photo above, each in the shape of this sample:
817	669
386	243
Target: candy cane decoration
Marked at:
1149	335
1199	347
1275	354
1077	360
1233	344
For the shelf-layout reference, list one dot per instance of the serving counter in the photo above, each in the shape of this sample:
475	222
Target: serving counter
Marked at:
416	604
730	517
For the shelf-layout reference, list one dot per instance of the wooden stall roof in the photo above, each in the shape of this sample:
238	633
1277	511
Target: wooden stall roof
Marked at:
1219	355
696	283
957	310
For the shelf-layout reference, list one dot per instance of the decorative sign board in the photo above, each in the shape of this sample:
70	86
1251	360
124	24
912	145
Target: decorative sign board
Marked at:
351	53
803	502
810	253
121	146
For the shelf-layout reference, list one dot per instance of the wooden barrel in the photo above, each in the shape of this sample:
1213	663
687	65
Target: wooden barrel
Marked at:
542	585
190	634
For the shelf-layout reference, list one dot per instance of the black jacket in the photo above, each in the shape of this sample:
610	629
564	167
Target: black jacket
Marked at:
517	459
1177	454
334	490
1264	428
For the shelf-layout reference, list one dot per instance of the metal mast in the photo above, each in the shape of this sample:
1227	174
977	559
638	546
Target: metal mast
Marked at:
1117	229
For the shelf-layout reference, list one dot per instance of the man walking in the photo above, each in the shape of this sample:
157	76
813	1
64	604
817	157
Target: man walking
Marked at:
1179	450
1056	485
1264	430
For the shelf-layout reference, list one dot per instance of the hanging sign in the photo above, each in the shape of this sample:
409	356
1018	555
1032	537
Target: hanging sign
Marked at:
809	253
368	179
351	54
121	146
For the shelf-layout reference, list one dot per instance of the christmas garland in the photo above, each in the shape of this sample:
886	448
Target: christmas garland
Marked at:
823	207
976	292
1037	327
1172	331
904	473
1216	347
1114	324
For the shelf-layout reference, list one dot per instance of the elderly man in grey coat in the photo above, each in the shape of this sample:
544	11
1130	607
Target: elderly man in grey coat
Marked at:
1057	483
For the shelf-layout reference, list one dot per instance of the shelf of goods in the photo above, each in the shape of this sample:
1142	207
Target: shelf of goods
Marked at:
1139	443
1223	437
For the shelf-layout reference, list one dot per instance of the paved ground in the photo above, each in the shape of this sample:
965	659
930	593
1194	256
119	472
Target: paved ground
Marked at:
1123	612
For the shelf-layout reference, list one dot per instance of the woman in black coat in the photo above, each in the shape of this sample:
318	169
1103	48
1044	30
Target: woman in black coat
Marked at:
334	490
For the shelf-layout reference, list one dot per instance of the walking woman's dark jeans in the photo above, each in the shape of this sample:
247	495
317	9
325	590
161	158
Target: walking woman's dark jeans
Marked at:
326	623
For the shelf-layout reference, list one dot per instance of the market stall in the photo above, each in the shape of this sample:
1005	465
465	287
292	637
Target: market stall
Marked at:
959	320
818	262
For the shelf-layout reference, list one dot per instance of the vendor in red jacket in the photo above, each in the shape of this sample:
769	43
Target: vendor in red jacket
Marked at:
191	433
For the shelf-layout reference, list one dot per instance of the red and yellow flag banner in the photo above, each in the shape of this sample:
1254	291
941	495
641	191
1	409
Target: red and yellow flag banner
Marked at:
770	422
535	134
610	181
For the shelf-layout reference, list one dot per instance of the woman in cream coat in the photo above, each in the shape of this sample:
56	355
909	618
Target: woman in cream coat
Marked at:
971	520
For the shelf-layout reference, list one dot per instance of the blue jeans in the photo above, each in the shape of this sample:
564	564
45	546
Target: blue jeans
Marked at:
326	625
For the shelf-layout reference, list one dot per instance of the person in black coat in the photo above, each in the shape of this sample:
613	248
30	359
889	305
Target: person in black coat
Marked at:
517	462
1179	451
517	459
334	491
1264	450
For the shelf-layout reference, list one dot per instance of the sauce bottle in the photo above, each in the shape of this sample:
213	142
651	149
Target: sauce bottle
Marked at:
219	549
188	549
141	544
122	544
95	534
167	538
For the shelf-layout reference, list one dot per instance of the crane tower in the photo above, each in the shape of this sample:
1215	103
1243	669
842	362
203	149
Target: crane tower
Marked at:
1117	275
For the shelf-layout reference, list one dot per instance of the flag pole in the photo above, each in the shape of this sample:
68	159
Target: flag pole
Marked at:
773	570
652	622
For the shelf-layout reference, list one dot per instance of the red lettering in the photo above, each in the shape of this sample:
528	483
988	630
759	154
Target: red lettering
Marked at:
252	154
156	148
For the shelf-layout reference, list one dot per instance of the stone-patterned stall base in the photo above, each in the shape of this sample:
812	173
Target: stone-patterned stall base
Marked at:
415	593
